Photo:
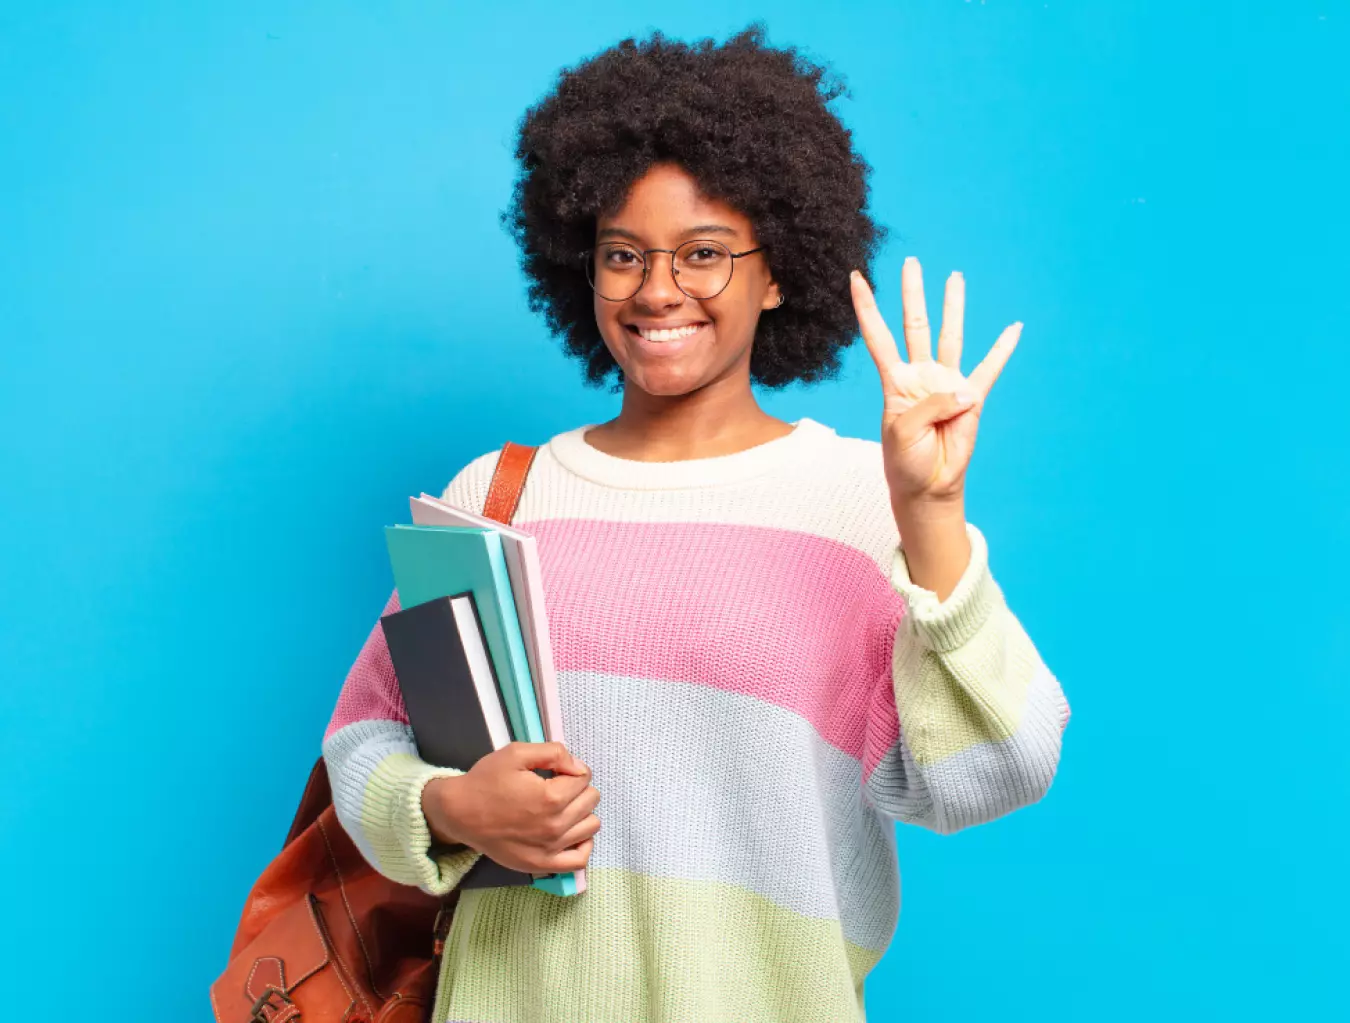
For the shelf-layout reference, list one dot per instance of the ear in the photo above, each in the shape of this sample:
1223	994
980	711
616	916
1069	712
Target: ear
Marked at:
771	293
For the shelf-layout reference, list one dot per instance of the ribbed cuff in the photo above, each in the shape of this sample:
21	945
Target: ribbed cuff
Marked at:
946	625
394	793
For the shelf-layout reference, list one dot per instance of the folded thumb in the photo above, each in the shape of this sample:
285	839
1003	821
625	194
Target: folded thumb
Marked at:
937	408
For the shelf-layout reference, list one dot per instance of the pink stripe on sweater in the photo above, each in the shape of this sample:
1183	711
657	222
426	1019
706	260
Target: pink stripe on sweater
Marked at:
790	618
371	690
739	608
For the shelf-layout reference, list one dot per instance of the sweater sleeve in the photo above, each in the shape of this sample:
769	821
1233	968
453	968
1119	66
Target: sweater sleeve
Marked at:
980	717
377	777
376	774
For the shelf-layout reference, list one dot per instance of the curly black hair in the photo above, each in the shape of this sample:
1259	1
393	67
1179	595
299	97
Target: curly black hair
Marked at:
750	123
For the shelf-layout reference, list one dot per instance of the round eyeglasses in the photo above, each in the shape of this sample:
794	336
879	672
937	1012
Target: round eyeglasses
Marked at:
702	268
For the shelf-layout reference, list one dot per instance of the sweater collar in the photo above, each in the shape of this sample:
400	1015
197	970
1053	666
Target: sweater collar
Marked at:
576	455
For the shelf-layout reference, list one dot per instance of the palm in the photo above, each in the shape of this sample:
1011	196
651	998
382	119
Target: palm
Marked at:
926	440
935	455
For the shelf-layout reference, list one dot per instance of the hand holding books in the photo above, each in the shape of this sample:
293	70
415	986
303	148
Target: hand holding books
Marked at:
502	808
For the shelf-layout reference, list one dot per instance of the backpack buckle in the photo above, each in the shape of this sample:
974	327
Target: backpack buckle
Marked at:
273	1006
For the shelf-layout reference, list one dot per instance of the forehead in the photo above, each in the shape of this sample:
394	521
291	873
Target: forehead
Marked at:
667	199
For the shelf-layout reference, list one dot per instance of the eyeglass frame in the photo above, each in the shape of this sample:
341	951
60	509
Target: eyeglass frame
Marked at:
588	255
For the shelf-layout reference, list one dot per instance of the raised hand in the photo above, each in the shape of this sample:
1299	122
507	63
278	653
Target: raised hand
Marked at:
931	412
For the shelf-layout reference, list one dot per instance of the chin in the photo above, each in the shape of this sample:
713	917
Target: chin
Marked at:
666	378
665	384
672	376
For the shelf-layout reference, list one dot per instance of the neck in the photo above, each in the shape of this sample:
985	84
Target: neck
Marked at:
719	419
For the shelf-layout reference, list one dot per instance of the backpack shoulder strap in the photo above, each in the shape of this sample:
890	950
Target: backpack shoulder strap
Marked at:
508	480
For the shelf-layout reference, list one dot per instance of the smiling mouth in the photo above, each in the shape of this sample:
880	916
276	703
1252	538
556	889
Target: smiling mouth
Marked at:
666	336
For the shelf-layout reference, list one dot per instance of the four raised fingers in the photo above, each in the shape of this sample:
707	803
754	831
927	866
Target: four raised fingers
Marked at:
876	335
953	322
918	336
984	375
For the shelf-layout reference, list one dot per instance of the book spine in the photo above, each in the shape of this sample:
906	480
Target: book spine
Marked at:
530	727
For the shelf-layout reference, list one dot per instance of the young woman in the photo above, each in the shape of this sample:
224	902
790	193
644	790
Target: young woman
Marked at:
772	641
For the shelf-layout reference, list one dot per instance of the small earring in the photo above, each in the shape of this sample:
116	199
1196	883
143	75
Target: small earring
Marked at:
781	299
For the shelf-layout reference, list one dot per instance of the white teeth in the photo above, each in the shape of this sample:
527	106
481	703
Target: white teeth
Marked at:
670	335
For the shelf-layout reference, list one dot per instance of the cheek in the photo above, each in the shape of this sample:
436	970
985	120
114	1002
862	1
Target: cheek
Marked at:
734	319
742	300
607	319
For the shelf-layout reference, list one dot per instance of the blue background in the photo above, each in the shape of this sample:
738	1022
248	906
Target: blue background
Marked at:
253	293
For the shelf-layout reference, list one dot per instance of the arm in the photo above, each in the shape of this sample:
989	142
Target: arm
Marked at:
378	778
979	717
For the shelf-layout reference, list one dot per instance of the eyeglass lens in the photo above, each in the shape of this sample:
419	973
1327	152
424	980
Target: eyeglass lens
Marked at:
702	269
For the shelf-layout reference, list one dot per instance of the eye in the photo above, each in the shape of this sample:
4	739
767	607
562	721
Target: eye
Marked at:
703	255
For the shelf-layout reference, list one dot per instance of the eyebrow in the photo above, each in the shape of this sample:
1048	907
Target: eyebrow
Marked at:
701	230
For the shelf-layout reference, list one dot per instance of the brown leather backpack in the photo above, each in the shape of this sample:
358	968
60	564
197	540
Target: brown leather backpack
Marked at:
324	936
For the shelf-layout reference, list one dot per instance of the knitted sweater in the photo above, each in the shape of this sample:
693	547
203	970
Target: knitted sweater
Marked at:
760	691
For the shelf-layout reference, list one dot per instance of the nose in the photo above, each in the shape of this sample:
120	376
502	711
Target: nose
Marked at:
659	290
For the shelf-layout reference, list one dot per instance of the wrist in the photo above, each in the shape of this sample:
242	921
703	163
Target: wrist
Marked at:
929	513
935	544
442	798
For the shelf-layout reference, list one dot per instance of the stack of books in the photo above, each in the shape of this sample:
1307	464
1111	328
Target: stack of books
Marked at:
471	650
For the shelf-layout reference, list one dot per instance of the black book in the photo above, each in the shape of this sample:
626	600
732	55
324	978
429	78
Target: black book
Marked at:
453	700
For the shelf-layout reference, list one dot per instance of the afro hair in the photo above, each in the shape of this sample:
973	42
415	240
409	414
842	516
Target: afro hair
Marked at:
751	124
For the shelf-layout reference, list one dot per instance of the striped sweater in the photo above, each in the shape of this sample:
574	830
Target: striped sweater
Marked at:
760	691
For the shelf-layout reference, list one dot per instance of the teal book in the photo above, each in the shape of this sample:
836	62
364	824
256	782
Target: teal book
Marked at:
442	561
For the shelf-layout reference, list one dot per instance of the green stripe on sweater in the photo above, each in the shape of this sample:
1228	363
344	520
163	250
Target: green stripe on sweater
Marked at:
640	949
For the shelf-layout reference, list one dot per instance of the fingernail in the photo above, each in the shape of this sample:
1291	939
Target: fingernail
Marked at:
910	259
965	398
854	275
